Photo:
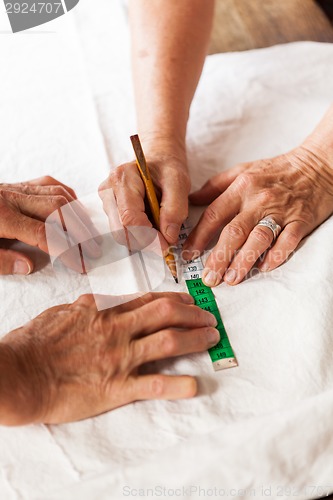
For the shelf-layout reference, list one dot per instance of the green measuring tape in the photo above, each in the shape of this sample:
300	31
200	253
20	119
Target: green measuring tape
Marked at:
221	354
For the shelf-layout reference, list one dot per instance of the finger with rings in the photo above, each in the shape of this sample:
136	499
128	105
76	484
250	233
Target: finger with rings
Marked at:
258	241
272	225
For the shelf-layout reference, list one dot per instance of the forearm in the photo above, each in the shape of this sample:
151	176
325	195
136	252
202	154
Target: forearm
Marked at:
169	45
321	138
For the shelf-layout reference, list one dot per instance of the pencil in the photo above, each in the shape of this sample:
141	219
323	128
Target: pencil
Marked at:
151	197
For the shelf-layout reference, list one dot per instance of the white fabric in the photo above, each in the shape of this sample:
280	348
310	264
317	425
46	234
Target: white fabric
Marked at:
67	110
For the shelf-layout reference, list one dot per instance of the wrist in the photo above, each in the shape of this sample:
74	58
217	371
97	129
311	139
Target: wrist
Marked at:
314	162
20	385
323	152
320	141
158	144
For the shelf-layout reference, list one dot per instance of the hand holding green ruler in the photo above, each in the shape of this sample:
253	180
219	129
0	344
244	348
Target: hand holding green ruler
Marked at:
221	354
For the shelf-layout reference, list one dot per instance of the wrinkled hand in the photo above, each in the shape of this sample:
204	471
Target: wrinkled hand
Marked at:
73	362
24	207
171	179
295	189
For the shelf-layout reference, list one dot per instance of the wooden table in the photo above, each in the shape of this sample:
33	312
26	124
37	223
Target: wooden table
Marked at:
251	24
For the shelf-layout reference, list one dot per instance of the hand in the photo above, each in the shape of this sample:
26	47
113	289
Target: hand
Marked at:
73	362
24	208
171	179
295	189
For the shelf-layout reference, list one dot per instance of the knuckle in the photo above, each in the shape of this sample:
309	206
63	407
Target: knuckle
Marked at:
59	191
110	182
56	201
85	302
7	194
168	342
104	185
234	230
86	298
49	179
117	175
202	338
157	386
96	322
266	197
242	167
308	217
211	215
114	177
59	200
200	316
262	236
112	324
166	307
244	181
291	238
128	216
138	352
149	296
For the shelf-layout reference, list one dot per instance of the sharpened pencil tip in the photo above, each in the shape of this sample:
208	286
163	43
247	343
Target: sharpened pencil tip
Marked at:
176	279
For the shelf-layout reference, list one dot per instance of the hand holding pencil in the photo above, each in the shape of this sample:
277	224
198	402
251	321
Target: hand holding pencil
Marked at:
168	170
151	197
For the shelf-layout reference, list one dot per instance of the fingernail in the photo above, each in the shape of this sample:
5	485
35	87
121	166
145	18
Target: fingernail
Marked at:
172	232
210	278
187	254
213	336
188	299
212	321
264	268
230	276
21	267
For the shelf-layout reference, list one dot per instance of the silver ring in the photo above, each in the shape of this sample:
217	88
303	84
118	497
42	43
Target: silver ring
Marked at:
272	225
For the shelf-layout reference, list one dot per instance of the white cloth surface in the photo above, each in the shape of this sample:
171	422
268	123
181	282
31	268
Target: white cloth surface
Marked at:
67	110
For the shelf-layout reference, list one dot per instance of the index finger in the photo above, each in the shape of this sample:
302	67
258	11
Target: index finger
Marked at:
47	180
129	191
215	217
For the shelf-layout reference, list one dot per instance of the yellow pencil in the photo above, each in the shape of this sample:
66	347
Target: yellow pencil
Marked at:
152	198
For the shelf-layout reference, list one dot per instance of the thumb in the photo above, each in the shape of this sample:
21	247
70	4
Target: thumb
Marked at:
12	262
174	208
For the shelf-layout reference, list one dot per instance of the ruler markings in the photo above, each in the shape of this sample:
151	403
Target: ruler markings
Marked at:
221	354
